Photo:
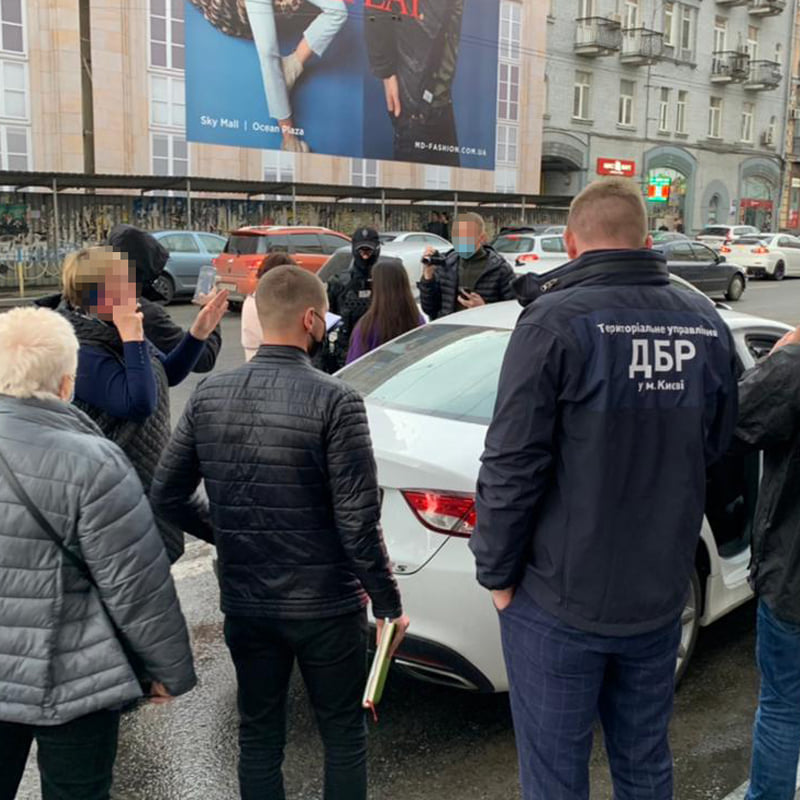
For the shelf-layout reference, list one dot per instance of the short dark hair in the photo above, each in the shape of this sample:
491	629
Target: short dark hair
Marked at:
284	293
279	258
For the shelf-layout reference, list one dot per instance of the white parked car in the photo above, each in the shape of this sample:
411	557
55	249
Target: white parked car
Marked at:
430	396
532	252
770	255
717	235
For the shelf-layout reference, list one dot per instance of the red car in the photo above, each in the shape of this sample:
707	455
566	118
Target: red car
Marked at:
247	248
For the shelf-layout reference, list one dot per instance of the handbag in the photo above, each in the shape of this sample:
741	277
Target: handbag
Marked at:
75	560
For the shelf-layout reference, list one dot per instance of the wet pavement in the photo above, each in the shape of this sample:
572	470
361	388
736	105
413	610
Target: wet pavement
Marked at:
431	743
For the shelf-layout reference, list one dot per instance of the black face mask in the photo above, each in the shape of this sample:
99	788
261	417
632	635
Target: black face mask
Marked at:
366	264
314	346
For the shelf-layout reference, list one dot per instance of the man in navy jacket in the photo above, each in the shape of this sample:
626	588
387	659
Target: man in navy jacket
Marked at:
617	392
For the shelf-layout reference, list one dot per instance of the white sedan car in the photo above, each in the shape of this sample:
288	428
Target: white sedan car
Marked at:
532	252
430	396
770	255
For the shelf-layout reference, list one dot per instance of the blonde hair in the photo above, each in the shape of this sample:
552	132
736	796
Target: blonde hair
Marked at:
39	349
610	210
83	271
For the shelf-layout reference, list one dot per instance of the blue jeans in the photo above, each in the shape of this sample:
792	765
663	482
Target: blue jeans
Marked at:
563	679
776	736
319	34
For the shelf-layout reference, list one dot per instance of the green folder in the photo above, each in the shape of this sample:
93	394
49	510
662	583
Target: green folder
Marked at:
380	668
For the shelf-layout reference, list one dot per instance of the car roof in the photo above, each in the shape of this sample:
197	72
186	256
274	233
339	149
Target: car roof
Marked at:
256	229
170	233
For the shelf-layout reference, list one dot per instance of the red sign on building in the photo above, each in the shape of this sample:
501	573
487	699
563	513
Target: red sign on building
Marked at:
616	166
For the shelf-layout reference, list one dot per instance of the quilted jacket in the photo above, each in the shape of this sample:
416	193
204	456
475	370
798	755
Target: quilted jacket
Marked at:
293	499
60	657
439	297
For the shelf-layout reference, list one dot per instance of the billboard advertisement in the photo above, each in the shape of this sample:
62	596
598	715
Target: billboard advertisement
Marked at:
402	80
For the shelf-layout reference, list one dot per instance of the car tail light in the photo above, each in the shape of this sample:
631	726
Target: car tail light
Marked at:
527	258
725	249
453	514
760	250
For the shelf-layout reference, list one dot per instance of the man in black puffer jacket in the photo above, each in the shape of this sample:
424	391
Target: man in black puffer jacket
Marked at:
294	508
473	274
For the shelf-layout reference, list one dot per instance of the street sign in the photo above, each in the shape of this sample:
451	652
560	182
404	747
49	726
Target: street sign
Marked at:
616	166
658	189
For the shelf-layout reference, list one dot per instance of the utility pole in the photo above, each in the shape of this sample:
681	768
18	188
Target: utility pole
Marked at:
87	87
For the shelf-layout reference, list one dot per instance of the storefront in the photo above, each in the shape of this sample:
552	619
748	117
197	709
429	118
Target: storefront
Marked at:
666	199
756	206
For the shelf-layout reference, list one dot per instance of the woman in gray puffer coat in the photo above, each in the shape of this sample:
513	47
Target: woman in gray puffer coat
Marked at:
74	645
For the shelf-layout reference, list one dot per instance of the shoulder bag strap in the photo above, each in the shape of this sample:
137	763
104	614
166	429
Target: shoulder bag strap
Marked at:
24	498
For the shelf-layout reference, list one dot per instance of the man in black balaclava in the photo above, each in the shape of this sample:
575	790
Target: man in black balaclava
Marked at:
349	296
150	257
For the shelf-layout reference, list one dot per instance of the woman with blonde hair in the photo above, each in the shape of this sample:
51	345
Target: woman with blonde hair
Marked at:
123	381
89	616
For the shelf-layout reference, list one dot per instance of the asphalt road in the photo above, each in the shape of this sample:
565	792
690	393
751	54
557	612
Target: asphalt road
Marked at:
430	742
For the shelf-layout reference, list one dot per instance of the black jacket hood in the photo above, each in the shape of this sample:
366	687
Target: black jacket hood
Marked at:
146	252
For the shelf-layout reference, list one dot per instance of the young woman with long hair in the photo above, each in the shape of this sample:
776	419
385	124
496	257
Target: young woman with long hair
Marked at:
392	311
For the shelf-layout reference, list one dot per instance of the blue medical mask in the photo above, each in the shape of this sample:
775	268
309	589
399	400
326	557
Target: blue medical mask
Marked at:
466	246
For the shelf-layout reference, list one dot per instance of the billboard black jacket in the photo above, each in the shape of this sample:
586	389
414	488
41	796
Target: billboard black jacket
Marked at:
422	52
617	391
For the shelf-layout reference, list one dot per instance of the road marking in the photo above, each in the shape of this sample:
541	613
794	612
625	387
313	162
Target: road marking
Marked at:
741	792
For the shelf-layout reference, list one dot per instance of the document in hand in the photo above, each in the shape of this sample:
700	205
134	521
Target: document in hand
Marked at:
380	668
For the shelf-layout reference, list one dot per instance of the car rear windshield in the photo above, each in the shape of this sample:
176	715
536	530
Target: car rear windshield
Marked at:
715	230
513	243
751	239
251	244
448	371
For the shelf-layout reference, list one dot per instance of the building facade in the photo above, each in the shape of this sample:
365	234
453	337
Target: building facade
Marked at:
690	98
136	60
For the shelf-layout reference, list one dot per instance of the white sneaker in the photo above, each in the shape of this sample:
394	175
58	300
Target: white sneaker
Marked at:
295	145
292	70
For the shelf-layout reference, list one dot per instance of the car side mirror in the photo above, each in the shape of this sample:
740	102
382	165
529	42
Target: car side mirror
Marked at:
721	259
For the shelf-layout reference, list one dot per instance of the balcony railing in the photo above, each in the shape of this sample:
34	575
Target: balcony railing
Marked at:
764	75
729	66
732	2
597	36
641	46
766	8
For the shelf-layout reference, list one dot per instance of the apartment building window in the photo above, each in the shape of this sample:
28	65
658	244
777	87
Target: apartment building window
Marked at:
669	24
747	122
167	102
507	141
680	111
631	14
170	154
279	166
510	30
363	172
752	43
13	32
167	48
14	85
15	148
715	118
663	110
581	103
505	180
508	91
779	54
772	131
627	89
585	9
438	177
688	17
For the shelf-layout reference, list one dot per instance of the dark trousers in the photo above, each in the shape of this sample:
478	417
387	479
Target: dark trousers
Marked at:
332	656
76	760
776	738
428	138
563	679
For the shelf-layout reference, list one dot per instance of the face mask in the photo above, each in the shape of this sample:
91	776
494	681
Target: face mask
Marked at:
465	247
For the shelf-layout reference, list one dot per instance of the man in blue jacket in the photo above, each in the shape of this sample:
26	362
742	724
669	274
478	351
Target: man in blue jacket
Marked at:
617	392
